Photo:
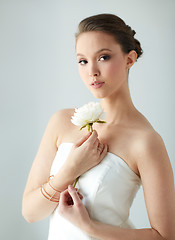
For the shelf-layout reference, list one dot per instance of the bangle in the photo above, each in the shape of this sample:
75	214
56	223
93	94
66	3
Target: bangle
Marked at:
50	196
52	185
47	195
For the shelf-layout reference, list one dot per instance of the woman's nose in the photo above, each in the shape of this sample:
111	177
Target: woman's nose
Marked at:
93	74
94	71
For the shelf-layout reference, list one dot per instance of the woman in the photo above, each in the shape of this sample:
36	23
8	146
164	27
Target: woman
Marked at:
112	161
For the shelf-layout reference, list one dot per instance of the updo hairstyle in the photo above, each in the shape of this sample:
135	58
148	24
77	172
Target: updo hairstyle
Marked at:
115	26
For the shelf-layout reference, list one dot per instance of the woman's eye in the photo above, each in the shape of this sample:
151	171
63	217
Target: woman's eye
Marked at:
104	57
82	62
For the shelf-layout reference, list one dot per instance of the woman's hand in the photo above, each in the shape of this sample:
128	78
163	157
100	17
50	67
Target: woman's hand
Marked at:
86	153
71	207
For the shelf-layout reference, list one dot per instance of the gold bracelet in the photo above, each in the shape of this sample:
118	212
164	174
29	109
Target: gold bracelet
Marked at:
52	185
46	194
50	198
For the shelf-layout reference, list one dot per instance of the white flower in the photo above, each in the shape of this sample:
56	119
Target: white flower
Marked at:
87	115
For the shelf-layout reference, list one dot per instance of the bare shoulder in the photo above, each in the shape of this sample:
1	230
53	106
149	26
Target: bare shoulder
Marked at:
148	142
146	146
149	151
63	114
60	121
156	174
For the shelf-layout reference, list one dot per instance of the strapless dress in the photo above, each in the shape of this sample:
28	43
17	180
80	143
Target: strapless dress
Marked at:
108	191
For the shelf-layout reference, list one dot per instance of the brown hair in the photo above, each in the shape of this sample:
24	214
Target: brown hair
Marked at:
115	26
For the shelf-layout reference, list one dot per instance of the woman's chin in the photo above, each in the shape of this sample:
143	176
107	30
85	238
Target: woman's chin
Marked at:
99	95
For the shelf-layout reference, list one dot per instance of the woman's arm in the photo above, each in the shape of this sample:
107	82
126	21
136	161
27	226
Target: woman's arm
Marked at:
86	153
158	185
78	215
35	206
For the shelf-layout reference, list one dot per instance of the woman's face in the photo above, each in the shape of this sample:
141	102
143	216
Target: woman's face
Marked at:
102	64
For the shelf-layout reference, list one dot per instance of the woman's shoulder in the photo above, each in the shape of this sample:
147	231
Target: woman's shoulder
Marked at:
145	140
61	121
63	114
143	131
146	135
147	143
145	146
62	117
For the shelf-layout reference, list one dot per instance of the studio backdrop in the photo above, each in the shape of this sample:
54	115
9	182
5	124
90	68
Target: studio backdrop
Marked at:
39	76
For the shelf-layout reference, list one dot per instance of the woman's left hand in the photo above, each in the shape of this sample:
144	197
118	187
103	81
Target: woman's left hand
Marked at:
72	208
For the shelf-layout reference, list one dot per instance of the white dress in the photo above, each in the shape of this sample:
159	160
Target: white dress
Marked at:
108	191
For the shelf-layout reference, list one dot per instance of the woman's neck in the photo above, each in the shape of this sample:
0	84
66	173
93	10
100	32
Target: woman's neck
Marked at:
119	107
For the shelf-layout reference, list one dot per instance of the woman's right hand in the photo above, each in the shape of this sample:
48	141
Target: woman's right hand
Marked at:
86	153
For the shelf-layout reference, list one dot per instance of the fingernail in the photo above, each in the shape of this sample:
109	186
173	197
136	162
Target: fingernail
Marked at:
71	188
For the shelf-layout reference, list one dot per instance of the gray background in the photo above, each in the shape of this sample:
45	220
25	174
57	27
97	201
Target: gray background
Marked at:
39	76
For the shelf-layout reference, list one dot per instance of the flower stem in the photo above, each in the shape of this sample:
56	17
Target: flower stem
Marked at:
75	182
90	129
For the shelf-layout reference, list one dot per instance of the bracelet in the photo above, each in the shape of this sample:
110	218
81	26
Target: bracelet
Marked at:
53	188
52	185
49	198
46	194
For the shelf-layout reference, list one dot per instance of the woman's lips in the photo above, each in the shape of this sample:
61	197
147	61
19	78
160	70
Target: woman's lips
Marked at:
97	84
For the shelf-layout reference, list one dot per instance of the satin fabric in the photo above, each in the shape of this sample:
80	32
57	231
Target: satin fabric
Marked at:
108	191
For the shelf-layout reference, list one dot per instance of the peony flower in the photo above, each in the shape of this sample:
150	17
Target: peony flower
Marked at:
85	116
88	114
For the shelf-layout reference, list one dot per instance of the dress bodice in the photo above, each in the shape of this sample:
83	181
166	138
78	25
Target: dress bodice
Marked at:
108	191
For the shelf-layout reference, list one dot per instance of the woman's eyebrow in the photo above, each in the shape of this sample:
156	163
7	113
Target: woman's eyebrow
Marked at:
101	50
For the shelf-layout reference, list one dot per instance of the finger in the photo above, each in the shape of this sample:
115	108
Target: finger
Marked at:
92	138
96	144
64	196
104	152
100	147
80	196
74	195
82	140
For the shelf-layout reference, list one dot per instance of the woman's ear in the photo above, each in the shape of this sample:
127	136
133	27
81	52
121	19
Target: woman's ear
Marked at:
131	58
